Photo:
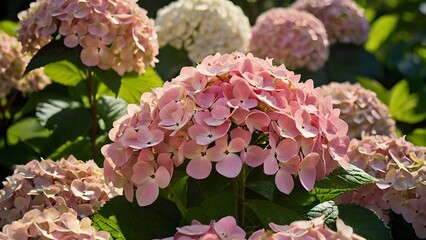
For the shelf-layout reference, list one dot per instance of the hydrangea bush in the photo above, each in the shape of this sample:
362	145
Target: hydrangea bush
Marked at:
203	27
44	184
360	109
400	168
295	38
113	34
344	19
229	111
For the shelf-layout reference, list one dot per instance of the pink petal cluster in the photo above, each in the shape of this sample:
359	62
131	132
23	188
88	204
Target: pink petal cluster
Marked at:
344	19
360	109
39	185
303	230
224	229
52	223
401	170
230	110
12	66
295	38
113	34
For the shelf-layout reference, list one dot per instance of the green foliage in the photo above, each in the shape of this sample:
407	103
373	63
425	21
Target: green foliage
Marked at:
26	129
327	209
109	77
9	27
65	72
418	137
110	109
375	86
381	30
364	222
268	212
404	106
133	85
127	220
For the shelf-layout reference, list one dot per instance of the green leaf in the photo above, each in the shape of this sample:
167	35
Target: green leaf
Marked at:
213	208
418	137
109	77
110	109
134	85
380	31
404	106
348	62
65	72
171	61
20	153
125	220
9	27
26	129
268	212
264	188
364	222
328	209
67	119
375	86
339	182
54	51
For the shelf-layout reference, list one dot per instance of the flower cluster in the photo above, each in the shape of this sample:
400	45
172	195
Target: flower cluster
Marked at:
295	38
344	20
113	34
52	223
12	66
401	170
39	185
203	27
313	229
230	110
360	109
226	228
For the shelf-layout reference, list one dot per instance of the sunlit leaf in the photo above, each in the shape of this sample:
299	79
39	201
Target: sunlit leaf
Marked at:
9	27
403	105
380	31
109	77
375	86
26	129
65	72
418	137
134	85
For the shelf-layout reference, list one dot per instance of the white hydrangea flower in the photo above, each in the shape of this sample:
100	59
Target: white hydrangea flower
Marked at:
203	27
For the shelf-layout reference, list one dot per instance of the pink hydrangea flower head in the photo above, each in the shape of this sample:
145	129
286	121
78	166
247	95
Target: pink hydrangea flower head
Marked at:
12	66
295	38
312	229
203	27
230	110
401	170
224	229
113	34
360	109
39	185
344	19
52	223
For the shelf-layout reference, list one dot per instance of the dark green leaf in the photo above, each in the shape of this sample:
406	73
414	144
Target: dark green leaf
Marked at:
268	212
110	109
380	31
134	85
264	188
418	137
9	27
339	182
213	208
20	153
130	221
328	209
65	72
26	129
404	106
109	77
68	120
54	51
364	222
171	61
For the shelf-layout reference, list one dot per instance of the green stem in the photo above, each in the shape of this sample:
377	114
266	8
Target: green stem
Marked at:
179	203
240	188
94	119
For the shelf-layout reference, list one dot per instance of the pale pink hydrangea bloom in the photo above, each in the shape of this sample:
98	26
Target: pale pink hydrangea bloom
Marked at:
12	66
360	109
224	229
230	110
401	170
302	230
39	185
295	38
203	27
52	223
344	19
113	34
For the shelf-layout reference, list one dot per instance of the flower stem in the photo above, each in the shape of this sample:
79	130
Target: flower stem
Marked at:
240	186
179	203
94	119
